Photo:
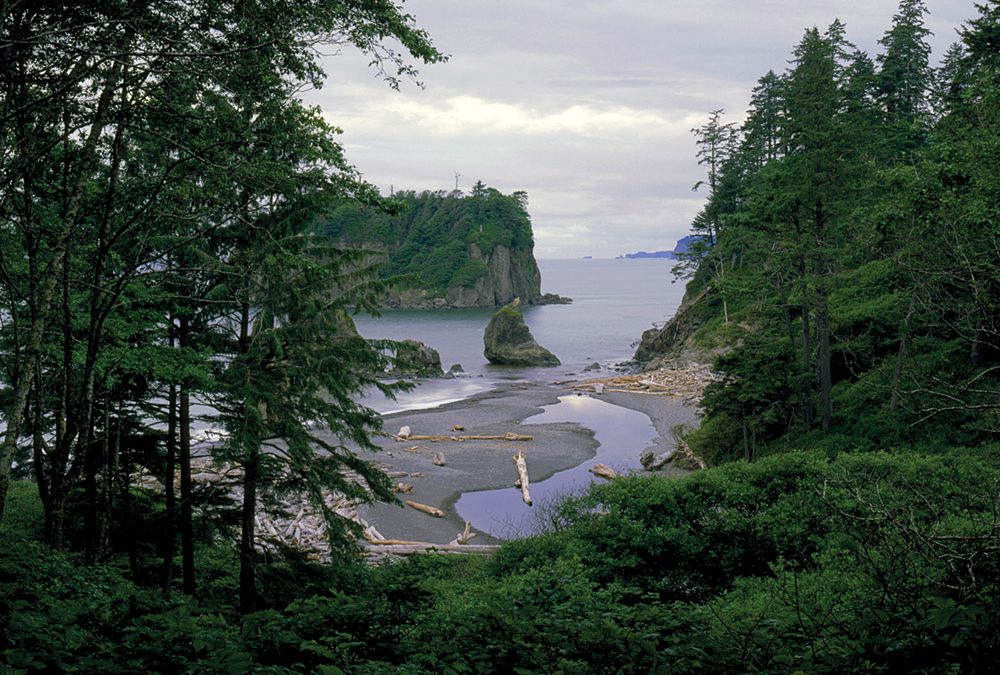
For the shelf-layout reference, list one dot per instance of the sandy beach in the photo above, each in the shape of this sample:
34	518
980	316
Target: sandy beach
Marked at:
473	465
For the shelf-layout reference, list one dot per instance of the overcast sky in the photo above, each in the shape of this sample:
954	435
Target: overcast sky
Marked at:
585	105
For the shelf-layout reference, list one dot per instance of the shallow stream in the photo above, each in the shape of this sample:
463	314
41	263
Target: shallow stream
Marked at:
622	433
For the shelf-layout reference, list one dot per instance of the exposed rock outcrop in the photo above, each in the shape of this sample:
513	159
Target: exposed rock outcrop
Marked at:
508	342
416	358
673	342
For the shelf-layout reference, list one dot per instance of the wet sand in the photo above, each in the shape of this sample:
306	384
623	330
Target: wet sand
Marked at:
473	465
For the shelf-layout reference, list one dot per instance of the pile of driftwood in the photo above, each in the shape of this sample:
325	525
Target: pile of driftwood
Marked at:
295	523
687	384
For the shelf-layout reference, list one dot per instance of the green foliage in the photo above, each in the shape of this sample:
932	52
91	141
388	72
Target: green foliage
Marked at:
26	518
436	241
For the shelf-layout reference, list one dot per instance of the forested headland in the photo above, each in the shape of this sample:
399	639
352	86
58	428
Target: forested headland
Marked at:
454	249
160	248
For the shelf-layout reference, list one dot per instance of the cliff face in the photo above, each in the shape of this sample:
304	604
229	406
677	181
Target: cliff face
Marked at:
509	274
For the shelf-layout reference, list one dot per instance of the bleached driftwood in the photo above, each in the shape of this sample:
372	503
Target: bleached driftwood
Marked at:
521	462
429	510
417	548
605	472
464	536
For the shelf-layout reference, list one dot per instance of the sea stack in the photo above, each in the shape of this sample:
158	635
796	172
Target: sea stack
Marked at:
508	342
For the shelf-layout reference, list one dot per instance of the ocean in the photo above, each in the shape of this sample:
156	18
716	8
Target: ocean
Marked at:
614	301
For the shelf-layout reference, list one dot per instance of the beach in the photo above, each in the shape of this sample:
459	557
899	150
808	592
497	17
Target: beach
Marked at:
477	465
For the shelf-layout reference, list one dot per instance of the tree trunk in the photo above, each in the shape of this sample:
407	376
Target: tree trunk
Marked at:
521	463
746	440
170	515
184	459
897	373
823	356
251	474
807	370
248	554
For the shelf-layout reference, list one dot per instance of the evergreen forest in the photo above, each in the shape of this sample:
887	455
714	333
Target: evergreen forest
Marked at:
160	189
849	263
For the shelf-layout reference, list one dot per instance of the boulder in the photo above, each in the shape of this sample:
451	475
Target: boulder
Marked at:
416	358
508	342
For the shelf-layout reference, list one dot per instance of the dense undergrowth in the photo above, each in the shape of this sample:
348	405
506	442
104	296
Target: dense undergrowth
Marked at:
871	562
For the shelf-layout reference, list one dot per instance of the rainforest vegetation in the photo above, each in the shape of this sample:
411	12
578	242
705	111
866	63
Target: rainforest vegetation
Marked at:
159	247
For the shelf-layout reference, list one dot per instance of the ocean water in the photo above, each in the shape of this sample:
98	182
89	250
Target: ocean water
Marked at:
614	301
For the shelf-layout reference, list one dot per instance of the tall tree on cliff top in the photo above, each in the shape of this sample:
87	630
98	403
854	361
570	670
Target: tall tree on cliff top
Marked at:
957	203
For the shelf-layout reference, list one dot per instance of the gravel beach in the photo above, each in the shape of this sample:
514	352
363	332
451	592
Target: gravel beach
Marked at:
472	465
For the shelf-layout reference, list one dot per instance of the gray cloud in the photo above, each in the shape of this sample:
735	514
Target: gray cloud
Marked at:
586	105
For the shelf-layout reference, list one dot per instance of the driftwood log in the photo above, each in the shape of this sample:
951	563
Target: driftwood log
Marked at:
651	462
464	536
429	510
417	548
605	472
521	462
509	436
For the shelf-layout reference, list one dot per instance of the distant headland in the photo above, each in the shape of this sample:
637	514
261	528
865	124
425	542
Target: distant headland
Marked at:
683	246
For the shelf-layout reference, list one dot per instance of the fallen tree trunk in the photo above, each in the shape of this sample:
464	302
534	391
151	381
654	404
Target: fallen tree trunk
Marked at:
429	510
464	536
651	462
509	436
521	462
